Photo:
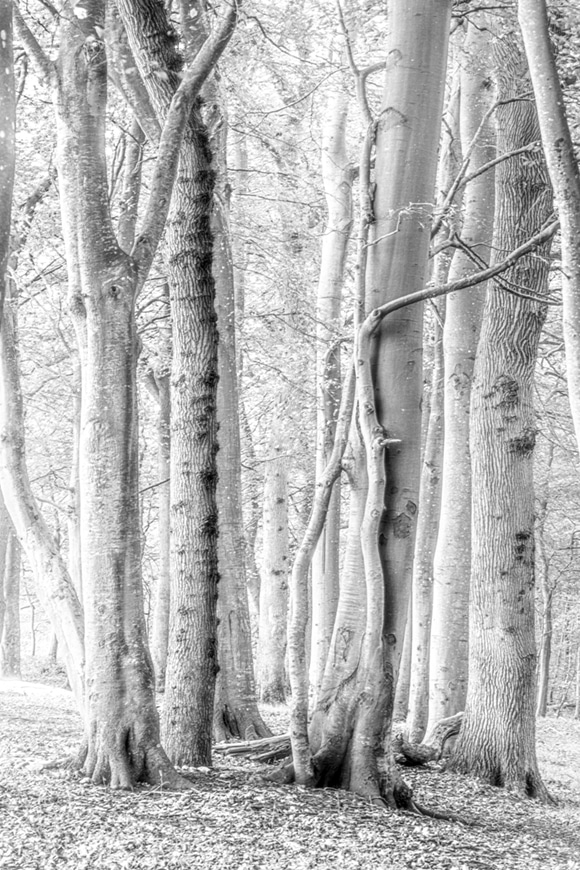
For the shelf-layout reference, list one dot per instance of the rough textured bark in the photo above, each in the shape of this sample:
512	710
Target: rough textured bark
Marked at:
547	590
192	655
452	560
337	178
497	738
10	631
272	679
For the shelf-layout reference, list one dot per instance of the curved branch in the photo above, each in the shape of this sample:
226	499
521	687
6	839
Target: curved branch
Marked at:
41	60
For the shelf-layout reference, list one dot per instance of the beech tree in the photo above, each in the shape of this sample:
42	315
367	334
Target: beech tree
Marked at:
7	134
497	738
122	728
348	743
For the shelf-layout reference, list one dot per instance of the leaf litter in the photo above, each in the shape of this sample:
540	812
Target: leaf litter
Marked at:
233	818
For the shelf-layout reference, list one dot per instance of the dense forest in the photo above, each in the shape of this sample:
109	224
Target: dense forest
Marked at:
290	380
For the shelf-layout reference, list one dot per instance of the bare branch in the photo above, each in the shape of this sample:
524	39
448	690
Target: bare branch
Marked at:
42	62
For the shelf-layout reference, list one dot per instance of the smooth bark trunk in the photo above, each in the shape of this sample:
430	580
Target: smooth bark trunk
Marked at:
452	559
337	178
10	645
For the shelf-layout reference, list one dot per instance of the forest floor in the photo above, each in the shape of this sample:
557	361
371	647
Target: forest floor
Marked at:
234	819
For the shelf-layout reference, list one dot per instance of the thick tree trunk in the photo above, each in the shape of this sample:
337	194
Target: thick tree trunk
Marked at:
452	560
337	177
497	738
10	625
192	657
272	678
352	748
543	575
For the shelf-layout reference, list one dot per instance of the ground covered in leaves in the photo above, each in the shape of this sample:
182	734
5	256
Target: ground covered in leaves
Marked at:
234	819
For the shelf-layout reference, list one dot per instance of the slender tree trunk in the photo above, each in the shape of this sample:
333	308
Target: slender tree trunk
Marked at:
10	645
543	573
272	677
497	738
236	711
427	525
51	578
161	606
337	177
74	512
452	560
7	138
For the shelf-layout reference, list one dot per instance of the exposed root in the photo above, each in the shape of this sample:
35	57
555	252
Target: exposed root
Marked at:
420	810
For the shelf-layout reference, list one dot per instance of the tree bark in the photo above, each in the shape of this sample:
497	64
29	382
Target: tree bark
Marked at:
192	654
337	178
10	645
497	738
452	559
7	138
272	678
351	742
564	175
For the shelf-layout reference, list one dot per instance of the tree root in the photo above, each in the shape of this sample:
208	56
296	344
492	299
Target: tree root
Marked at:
420	810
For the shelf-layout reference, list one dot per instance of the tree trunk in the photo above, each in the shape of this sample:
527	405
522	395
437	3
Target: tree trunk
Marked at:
7	138
337	177
192	654
427	525
351	746
10	645
51	578
236	711
543	572
161	606
497	738
272	679
452	560
565	177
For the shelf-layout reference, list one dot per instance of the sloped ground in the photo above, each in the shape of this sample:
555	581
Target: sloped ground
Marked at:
234	819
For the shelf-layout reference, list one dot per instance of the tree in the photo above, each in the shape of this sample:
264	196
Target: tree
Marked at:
7	136
122	727
452	560
497	738
351	725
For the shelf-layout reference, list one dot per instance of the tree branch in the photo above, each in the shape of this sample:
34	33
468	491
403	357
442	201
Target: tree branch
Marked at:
42	62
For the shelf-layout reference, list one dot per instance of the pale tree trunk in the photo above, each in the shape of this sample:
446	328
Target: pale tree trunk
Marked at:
122	726
565	178
351	747
10	645
74	510
543	574
161	604
577	707
7	138
452	560
272	678
235	711
337	176
5	528
427	525
497	738
52	581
